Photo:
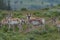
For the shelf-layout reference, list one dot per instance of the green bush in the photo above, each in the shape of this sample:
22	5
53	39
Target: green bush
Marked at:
23	9
38	14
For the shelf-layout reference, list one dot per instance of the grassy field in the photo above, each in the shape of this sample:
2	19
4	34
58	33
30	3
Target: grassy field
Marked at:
51	32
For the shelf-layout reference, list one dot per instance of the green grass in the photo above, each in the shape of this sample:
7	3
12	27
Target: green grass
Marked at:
30	36
50	33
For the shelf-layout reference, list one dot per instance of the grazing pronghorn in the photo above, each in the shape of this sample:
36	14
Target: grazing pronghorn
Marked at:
12	22
35	22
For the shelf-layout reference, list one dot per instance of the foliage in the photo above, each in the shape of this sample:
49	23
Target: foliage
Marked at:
45	9
49	34
23	9
3	6
38	14
18	15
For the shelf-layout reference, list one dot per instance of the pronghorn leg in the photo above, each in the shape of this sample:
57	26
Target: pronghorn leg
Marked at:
43	27
43	24
1	26
13	28
9	27
20	27
58	29
29	27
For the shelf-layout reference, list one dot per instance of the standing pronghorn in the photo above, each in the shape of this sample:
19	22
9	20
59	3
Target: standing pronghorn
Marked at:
11	22
58	25
35	21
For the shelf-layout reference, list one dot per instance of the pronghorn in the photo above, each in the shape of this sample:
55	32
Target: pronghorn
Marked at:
9	20
35	22
58	25
53	20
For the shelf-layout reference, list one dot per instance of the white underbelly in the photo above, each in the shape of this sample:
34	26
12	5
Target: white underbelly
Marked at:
58	26
35	22
13	22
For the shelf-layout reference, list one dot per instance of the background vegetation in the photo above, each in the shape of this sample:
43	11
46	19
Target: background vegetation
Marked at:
51	32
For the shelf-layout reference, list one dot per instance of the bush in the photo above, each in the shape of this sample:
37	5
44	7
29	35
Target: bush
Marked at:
38	14
23	9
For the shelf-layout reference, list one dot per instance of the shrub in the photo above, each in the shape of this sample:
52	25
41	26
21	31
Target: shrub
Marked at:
23	9
38	14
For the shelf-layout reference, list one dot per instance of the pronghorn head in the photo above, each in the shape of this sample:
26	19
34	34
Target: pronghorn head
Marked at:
28	16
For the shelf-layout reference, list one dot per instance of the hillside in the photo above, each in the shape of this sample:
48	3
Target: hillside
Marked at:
51	32
31	4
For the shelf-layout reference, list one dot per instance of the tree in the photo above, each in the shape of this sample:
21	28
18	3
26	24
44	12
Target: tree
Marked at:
21	2
58	4
9	8
3	5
